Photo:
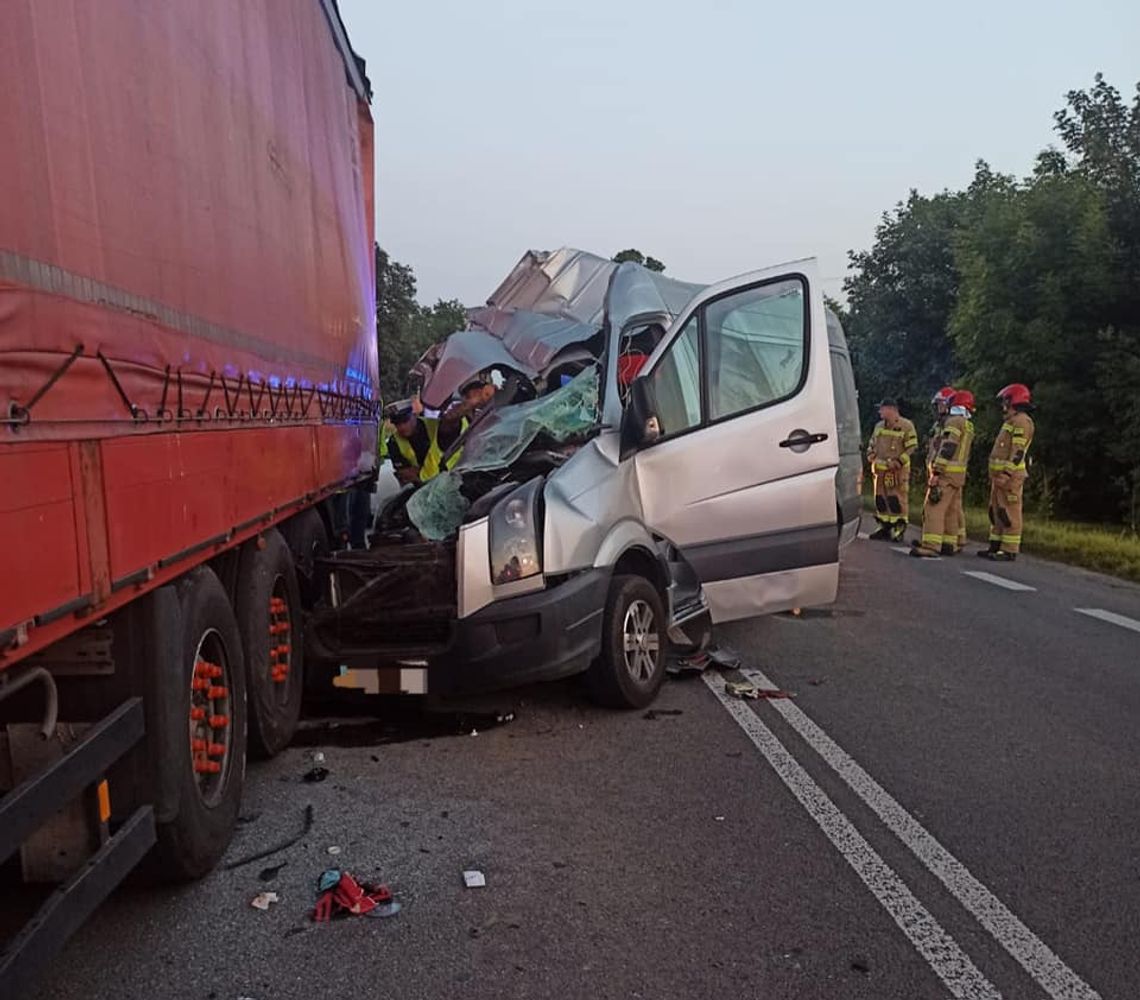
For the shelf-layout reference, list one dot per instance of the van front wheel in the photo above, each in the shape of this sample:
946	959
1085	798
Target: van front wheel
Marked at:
631	668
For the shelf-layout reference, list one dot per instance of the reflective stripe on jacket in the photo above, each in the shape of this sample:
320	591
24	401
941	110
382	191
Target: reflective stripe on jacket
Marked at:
1011	446
953	454
889	443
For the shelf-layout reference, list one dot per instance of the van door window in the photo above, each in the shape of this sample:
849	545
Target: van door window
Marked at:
756	347
676	381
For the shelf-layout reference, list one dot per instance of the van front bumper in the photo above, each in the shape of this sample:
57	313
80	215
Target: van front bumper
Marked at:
541	636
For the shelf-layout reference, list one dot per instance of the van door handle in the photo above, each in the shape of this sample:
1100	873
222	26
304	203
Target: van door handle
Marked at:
800	440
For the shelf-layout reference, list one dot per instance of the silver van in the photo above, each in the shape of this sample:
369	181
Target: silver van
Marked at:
661	456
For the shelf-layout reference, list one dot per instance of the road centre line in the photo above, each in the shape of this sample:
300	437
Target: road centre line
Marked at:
1111	617
1046	968
961	977
997	581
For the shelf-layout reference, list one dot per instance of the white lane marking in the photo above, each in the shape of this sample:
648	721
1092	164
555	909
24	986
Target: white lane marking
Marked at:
997	581
1052	974
1111	617
942	953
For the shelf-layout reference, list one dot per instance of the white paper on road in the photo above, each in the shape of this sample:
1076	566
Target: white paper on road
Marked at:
1052	974
952	965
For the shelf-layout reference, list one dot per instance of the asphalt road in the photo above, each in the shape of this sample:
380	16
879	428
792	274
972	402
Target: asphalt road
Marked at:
947	807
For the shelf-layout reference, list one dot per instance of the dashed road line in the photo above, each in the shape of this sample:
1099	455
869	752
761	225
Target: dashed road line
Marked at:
952	965
1049	971
1111	617
998	581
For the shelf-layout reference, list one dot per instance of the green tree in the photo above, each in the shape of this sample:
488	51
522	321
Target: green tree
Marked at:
404	328
1035	268
652	263
900	297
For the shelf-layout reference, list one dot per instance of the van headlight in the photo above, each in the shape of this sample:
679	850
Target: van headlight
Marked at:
515	553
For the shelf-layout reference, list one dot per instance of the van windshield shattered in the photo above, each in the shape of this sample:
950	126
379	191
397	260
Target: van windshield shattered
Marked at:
497	441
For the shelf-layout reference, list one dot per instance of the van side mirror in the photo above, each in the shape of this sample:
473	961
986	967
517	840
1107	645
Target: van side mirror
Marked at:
640	426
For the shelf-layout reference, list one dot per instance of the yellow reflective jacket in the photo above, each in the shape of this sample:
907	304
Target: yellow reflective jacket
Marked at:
954	449
1011	446
888	443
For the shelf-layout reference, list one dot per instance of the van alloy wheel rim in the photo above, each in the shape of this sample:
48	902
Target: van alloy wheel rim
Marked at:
211	734
640	641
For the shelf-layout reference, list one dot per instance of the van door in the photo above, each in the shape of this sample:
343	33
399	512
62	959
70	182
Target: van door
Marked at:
742	476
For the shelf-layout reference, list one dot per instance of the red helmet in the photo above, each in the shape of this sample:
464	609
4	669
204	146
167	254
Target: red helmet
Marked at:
965	399
1015	394
945	396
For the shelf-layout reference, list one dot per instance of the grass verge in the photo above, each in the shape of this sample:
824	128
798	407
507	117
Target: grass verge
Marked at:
1091	546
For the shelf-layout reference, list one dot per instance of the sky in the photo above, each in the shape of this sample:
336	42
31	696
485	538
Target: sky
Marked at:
720	137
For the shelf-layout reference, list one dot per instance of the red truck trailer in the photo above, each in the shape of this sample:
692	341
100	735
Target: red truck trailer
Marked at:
187	375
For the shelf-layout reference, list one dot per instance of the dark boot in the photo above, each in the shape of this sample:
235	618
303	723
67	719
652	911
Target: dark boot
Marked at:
949	549
882	533
898	531
988	553
1001	556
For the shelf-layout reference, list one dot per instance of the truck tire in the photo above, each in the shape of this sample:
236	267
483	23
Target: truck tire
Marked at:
631	668
308	540
207	770
268	606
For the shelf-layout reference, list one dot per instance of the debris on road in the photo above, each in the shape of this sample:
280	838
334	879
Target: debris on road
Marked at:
334	849
743	689
656	713
263	900
719	819
276	848
817	681
314	775
474	879
340	894
694	663
384	910
269	874
725	657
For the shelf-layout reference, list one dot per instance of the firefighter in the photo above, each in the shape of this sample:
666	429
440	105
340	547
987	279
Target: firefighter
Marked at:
947	478
955	528
1008	472
893	441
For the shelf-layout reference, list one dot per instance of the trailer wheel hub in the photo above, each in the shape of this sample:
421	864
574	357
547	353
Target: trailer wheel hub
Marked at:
210	734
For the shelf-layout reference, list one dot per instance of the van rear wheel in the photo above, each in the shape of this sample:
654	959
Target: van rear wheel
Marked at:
631	668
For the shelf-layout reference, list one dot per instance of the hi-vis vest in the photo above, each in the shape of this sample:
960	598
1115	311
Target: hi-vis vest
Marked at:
430	466
1011	446
954	449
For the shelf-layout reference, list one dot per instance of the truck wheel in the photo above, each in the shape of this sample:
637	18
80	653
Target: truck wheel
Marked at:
631	669
269	620
209	766
308	541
